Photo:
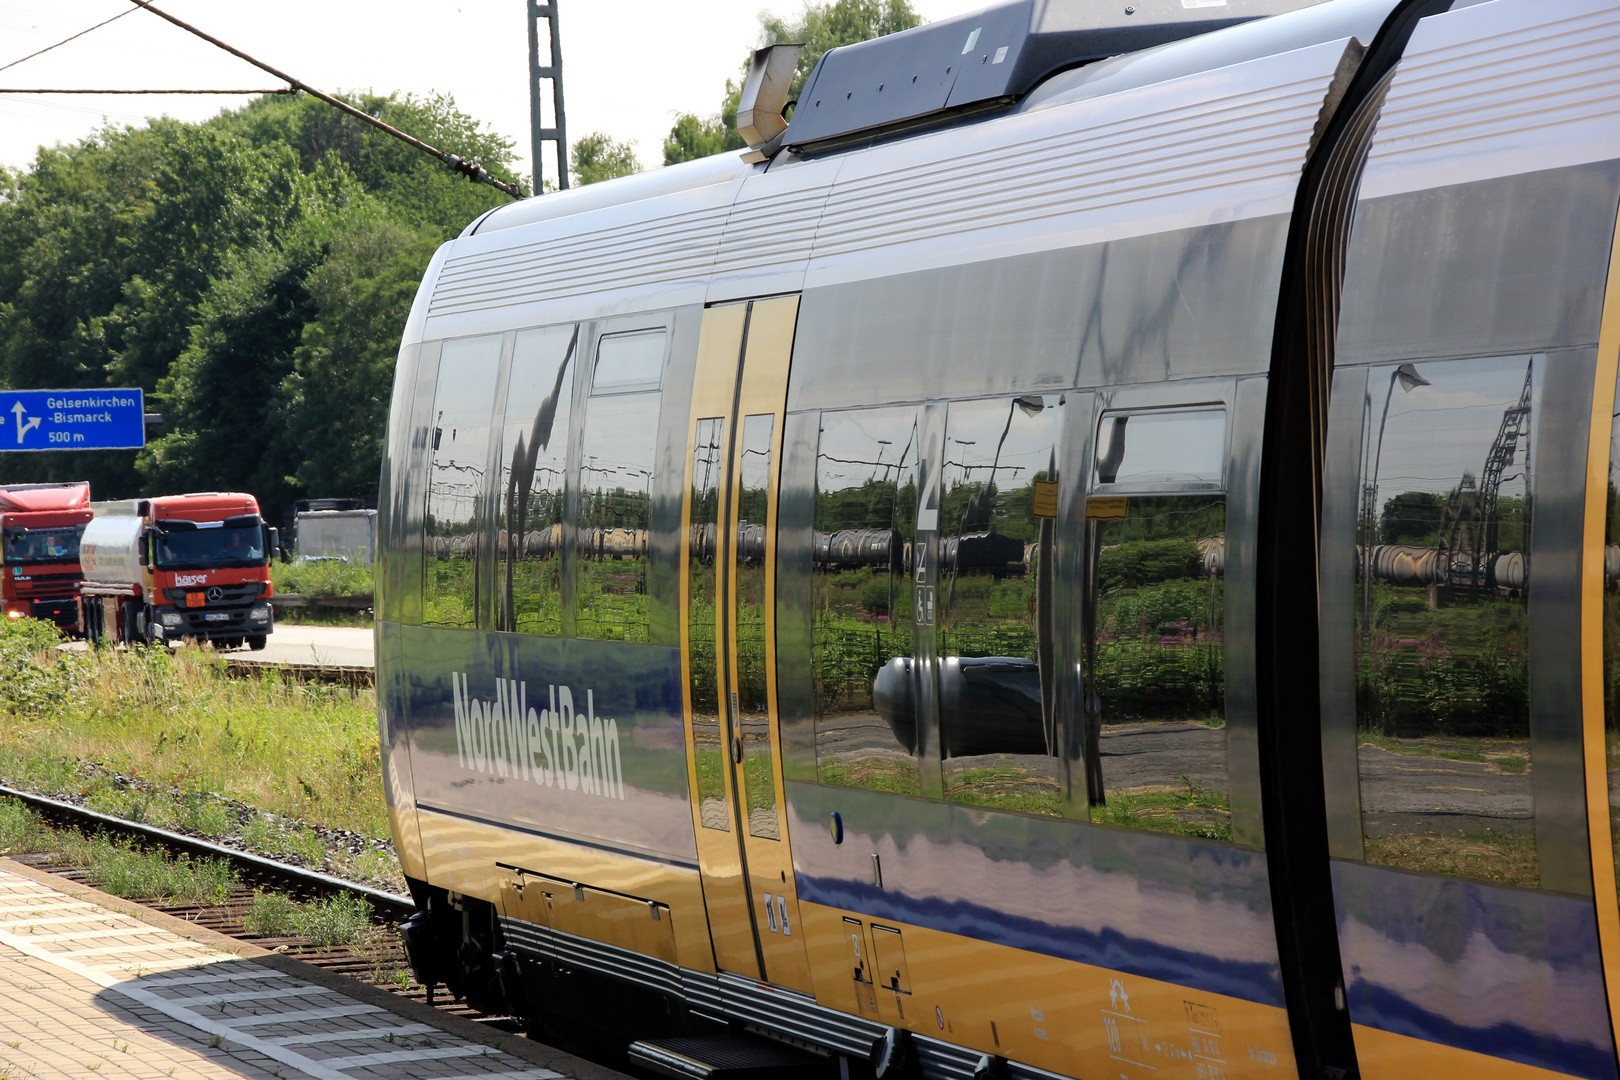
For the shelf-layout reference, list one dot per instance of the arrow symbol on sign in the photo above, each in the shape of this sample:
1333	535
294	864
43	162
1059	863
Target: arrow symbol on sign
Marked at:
24	428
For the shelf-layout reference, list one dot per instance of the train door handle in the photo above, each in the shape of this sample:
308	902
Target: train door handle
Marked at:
736	750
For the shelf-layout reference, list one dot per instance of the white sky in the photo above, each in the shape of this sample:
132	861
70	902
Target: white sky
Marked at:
629	65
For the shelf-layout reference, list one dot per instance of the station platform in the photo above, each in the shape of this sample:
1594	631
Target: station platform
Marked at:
94	987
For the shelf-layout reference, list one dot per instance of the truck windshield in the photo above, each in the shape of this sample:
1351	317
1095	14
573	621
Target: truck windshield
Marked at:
29	546
228	546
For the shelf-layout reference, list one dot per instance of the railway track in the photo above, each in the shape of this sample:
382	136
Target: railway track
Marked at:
379	960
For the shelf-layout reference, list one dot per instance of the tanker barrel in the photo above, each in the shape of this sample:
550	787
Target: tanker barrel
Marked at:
1212	550
110	550
1510	570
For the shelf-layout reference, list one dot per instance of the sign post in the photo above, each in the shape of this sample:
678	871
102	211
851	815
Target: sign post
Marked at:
72	420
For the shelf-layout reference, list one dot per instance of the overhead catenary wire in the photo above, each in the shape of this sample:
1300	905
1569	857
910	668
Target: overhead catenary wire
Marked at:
60	90
470	169
75	37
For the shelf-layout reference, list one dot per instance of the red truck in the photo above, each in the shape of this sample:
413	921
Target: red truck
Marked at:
40	525
182	567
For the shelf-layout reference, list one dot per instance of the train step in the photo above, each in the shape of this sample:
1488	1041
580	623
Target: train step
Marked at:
726	1057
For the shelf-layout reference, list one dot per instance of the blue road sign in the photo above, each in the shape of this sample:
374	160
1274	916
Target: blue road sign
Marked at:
71	420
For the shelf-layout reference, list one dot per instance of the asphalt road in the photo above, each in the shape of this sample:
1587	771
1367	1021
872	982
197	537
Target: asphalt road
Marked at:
327	646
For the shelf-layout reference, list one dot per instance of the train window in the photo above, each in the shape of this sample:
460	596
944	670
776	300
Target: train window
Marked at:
708	463
997	529
534	459
1183	449
748	585
1611	632
462	405
626	363
861	630
1442	626
1153	604
615	487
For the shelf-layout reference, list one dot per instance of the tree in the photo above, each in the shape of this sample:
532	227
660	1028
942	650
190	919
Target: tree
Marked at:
597	157
694	137
827	26
819	28
251	273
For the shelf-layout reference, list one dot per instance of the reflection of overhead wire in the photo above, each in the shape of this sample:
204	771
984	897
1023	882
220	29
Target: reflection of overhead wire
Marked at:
75	37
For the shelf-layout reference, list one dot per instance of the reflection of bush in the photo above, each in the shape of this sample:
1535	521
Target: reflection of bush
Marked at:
612	599
1142	562
1460	670
1158	654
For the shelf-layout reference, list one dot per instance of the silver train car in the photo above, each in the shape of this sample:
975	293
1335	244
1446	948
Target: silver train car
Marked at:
1094	552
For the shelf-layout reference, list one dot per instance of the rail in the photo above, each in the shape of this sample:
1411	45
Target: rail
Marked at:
386	905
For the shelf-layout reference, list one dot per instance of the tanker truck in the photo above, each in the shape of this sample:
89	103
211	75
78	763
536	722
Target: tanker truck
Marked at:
39	542
182	567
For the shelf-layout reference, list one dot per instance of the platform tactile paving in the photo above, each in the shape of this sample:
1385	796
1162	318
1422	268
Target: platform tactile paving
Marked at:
90	993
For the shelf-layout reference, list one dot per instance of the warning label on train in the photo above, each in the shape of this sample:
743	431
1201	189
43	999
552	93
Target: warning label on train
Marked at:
72	420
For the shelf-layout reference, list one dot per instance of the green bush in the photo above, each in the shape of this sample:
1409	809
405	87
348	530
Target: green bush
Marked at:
272	914
342	920
21	830
120	868
323	577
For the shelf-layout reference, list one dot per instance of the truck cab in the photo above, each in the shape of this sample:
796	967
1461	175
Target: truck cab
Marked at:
40	527
182	567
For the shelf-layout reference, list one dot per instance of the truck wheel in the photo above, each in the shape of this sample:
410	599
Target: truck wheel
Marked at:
126	620
92	622
256	642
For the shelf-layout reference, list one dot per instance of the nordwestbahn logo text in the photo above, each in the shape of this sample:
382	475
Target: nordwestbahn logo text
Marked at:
576	751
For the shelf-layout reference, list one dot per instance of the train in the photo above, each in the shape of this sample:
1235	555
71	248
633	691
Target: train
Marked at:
1088	550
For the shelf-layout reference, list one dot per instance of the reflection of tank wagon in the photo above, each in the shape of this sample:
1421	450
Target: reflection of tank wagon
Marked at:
851	549
750	543
1416	566
987	704
595	544
1467	554
990	551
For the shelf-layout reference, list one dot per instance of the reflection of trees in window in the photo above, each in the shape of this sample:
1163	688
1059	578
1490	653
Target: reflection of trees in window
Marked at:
861	629
1158	665
1442	642
1153	608
615	496
708	459
534	460
457	479
996	709
748	590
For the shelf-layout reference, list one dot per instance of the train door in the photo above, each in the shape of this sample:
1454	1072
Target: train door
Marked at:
728	639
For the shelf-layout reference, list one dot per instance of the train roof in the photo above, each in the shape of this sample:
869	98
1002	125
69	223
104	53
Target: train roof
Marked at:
1040	77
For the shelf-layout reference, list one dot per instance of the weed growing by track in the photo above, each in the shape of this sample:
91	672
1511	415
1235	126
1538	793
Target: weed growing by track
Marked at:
118	866
177	721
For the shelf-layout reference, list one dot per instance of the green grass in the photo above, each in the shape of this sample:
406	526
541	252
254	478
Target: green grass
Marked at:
21	830
120	868
271	914
177	724
341	921
323	577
